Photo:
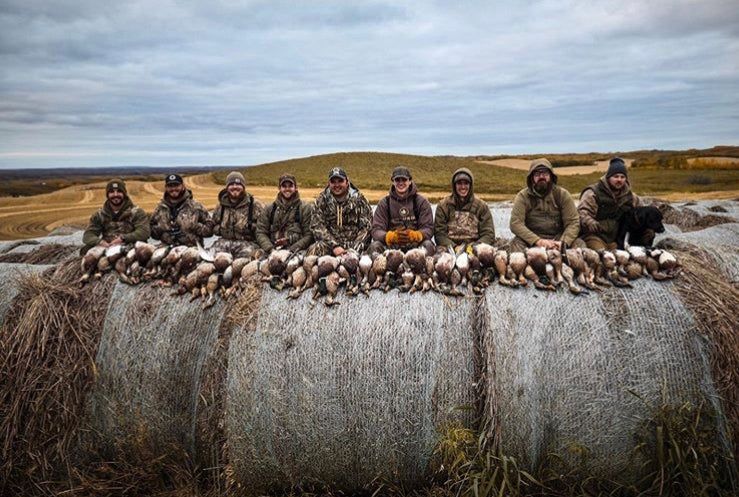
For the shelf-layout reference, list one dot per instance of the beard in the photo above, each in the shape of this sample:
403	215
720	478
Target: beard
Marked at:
541	187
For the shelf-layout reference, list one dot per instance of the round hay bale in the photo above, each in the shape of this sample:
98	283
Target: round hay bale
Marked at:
719	243
149	370
578	375
347	395
10	275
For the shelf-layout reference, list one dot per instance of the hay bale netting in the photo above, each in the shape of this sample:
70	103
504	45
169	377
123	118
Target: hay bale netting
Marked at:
150	365
572	375
10	275
347	395
720	243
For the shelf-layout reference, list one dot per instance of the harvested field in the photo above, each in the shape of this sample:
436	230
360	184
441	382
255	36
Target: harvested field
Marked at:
523	165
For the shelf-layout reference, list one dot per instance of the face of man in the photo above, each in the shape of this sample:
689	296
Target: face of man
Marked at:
235	190
338	186
462	188
115	196
287	189
402	185
617	181
541	180
174	191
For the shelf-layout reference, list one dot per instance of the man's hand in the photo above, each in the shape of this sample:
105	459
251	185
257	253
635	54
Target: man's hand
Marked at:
403	238
280	242
116	241
548	244
104	243
337	251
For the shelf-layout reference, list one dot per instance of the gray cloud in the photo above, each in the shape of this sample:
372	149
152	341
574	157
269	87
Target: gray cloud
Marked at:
245	82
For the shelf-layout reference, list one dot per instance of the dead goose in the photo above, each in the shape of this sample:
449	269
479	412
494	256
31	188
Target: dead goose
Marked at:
89	262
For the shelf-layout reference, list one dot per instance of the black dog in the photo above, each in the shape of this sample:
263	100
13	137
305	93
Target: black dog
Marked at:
640	224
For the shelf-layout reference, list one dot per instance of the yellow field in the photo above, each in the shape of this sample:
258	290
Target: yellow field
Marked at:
523	165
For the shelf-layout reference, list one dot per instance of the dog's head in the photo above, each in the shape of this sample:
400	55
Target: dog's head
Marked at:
649	217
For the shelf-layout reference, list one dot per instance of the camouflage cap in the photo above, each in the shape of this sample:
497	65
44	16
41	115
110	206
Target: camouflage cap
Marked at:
116	184
401	172
337	172
287	177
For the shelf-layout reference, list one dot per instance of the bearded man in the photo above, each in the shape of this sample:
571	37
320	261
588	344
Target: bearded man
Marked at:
178	219
117	221
544	213
285	223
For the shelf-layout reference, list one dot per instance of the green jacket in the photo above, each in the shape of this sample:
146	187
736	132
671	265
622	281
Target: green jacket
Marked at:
463	220
130	223
601	209
237	221
283	219
552	215
345	223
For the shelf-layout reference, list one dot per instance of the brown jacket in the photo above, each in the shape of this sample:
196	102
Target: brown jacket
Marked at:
395	213
282	219
552	215
601	209
236	221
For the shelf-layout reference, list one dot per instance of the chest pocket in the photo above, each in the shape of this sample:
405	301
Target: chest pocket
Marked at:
463	227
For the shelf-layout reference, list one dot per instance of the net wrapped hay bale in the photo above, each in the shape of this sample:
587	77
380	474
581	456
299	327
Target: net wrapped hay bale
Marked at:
48	341
719	245
150	369
346	395
572	376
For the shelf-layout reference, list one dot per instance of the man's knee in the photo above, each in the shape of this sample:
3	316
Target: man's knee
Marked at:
597	243
518	245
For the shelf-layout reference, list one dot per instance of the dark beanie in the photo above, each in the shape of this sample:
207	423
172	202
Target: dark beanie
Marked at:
616	166
116	184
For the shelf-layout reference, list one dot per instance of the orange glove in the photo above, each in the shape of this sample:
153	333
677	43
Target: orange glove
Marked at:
403	238
415	236
391	238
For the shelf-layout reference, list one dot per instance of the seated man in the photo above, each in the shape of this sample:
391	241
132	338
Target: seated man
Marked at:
117	221
544	214
342	217
178	219
403	219
603	204
462	218
285	223
235	217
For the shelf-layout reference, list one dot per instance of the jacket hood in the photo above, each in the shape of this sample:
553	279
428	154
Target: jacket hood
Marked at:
465	171
626	189
539	163
127	204
185	196
225	200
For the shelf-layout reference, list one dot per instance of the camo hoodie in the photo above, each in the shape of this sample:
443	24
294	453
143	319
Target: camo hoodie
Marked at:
344	223
130	223
234	221
182	222
463	220
285	219
551	215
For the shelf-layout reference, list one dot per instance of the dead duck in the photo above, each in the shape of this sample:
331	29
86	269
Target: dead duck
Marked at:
222	260
517	263
610	266
89	262
298	281
576	261
554	257
211	287
144	251
501	267
593	260
539	283
568	274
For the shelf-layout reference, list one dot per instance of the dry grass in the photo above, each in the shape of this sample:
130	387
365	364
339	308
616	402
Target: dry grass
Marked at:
51	253
714	302
48	344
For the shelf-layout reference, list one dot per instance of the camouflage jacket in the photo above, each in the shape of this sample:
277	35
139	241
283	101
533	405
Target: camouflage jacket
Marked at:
130	223
285	219
237	221
601	209
185	222
344	223
463	220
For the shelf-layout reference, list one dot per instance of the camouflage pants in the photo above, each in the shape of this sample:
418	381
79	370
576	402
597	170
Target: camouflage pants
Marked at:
238	248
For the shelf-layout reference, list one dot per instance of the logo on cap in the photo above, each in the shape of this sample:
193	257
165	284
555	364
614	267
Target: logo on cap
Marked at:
172	177
114	185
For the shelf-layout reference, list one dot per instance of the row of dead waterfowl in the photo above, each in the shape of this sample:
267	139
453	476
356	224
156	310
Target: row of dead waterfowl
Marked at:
205	274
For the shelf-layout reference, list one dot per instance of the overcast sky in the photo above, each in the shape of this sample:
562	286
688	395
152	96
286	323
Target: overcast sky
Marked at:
217	82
